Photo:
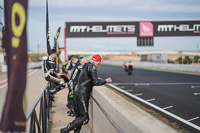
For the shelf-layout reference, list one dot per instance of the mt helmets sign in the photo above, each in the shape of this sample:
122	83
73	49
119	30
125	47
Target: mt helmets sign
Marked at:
132	29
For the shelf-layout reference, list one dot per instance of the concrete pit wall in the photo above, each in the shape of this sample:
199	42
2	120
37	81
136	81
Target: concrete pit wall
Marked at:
129	117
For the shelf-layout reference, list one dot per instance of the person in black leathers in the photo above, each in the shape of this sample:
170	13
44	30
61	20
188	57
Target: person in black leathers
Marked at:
72	83
87	79
79	63
50	74
68	66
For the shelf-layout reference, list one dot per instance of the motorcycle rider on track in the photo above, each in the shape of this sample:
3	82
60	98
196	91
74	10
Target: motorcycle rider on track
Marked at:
87	79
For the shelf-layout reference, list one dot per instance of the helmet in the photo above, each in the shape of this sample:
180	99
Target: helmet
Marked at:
97	58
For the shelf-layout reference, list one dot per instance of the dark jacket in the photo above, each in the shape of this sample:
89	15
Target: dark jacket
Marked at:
88	78
74	77
49	67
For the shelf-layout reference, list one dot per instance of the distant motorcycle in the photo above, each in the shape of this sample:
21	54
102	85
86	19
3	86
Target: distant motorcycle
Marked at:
128	67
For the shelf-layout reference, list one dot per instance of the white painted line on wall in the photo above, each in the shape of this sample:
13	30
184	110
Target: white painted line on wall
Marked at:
196	94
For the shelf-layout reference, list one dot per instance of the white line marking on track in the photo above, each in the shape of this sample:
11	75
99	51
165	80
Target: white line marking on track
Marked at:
196	94
193	119
150	99
140	84
129	90
5	82
168	107
156	107
4	85
136	84
122	87
138	94
31	72
195	86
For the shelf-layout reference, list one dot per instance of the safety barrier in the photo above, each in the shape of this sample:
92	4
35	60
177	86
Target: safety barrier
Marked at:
39	122
110	113
179	67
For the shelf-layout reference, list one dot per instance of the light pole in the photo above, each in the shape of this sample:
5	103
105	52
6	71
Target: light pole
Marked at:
38	51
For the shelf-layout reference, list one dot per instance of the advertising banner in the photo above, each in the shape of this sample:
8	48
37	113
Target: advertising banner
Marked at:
132	29
14	112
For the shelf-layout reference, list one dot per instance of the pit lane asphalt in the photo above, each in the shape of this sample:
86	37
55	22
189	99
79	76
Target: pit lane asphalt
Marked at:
175	92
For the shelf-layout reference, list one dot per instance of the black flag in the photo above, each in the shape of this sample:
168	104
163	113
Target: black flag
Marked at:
47	29
14	111
56	38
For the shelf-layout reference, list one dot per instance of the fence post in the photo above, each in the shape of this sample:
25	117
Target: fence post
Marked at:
44	116
44	113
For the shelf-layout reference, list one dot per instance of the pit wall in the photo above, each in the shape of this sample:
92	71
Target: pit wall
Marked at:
127	116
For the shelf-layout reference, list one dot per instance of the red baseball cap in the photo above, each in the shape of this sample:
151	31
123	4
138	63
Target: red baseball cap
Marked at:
97	58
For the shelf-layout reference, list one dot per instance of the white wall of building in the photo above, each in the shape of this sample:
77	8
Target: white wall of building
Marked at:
1	58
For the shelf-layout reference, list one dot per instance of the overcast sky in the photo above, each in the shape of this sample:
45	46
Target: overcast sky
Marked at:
61	11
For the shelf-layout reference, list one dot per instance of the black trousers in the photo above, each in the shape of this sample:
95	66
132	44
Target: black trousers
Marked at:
54	82
81	110
53	79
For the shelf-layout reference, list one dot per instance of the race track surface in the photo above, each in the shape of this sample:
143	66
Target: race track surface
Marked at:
174	92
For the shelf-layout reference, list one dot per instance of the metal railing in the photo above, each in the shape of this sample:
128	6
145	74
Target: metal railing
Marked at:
39	122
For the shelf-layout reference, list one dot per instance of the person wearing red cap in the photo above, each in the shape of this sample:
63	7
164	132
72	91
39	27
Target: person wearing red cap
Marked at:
86	80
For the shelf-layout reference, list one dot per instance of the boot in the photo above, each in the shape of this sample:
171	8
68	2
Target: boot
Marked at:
53	91
77	130
66	129
51	97
69	113
72	114
56	89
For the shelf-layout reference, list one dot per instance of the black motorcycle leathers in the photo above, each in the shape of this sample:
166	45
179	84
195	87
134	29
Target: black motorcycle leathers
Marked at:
49	73
87	79
72	84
